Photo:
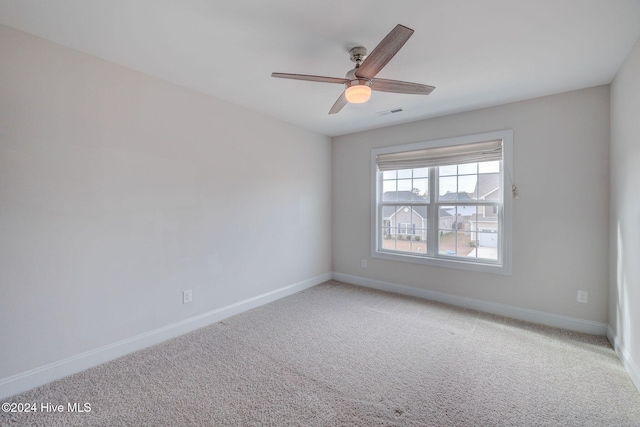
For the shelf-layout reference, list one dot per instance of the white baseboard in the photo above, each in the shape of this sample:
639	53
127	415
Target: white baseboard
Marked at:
625	357
24	381
549	319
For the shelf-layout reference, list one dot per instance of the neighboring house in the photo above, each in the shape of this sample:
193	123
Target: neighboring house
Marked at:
447	220
486	219
406	220
460	215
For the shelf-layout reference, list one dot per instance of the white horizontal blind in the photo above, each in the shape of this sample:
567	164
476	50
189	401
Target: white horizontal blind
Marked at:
441	156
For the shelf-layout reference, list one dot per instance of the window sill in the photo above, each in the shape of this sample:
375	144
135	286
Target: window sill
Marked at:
456	263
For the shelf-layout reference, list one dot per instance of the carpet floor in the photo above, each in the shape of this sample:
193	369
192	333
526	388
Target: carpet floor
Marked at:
342	355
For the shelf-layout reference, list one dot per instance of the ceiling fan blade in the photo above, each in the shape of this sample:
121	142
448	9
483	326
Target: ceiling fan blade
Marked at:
395	86
321	79
383	53
339	104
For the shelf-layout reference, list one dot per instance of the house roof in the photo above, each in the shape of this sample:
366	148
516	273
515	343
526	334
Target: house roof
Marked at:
407	196
485	189
455	197
402	196
487	185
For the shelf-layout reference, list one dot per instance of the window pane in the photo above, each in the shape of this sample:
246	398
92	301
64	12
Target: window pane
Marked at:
487	245
418	242
389	218
489	186
419	231
405	184
421	173
484	233
448	188
388	241
448	170
403	219
421	187
489	167
455	243
467	187
387	188
418	215
446	217
457	227
459	217
405	173
472	184
468	168
389	175
405	229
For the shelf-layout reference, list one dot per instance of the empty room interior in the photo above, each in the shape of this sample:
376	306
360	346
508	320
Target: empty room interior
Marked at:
316	195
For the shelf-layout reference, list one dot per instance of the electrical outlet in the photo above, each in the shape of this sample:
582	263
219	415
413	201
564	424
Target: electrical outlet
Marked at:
583	297
187	296
364	263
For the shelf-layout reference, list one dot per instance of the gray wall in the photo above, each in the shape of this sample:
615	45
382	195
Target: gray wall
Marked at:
560	233
624	265
119	190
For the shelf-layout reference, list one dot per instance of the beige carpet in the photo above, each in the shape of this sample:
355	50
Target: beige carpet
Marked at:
341	355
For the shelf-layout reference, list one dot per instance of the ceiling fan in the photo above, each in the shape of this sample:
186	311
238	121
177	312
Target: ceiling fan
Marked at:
360	81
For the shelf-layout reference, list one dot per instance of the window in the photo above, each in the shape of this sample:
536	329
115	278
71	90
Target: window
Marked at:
445	202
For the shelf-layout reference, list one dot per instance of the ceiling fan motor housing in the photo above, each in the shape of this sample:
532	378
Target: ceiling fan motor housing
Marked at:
354	80
358	54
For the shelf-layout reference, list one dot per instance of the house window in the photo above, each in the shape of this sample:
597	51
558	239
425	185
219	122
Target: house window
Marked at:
445	202
387	227
406	228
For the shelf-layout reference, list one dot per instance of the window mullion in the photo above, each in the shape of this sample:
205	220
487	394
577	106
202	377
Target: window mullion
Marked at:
432	223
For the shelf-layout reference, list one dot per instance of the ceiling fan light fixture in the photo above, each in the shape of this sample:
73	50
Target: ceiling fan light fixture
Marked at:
357	94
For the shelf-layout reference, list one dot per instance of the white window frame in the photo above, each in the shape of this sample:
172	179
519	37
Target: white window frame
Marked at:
489	266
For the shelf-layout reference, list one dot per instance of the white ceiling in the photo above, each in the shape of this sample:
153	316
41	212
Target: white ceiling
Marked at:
476	52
